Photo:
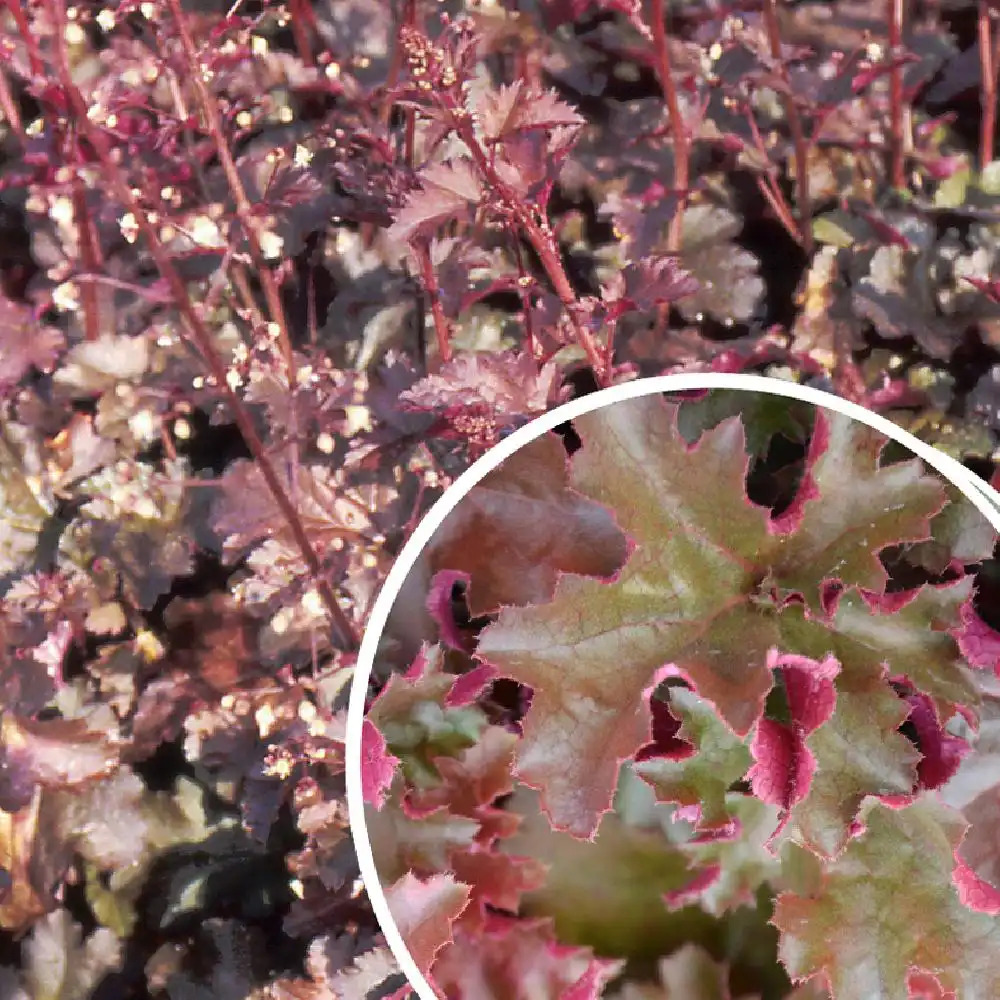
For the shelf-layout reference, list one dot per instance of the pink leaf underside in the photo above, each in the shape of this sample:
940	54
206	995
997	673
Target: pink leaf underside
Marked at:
784	764
378	766
439	606
979	643
942	752
424	911
974	892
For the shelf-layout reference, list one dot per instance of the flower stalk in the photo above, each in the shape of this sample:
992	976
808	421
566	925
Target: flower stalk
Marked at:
342	627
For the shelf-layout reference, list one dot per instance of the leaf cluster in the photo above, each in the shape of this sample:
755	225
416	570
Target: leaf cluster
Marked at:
750	707
271	276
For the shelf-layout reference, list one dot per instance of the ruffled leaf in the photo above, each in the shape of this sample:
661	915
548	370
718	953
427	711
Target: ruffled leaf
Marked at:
877	915
711	586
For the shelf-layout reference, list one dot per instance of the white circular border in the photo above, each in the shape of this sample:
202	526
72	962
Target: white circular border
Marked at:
984	497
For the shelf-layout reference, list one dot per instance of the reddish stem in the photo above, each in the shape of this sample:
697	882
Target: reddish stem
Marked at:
407	18
539	234
524	283
989	63
799	142
199	334
35	61
769	188
9	106
244	209
897	165
150	295
678	128
422	252
773	196
90	255
241	282
90	244
301	13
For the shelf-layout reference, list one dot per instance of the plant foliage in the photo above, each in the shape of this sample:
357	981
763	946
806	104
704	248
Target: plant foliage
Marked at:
273	273
769	695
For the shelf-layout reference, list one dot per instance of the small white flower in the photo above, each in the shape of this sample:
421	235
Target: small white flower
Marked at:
74	34
205	232
359	418
145	507
66	297
281	621
144	425
271	245
312	603
264	717
61	211
129	227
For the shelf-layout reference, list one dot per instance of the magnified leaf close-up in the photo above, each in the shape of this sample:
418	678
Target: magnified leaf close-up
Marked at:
729	736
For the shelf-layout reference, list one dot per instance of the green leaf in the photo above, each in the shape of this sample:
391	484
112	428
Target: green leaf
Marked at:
840	229
959	532
114	910
952	190
703	779
764	417
973	789
989	179
888	905
422	844
26	502
744	861
910	639
607	893
690	972
851	507
858	751
418	725
590	653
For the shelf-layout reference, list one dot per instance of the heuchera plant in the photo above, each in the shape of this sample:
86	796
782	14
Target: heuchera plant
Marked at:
273	273
783	693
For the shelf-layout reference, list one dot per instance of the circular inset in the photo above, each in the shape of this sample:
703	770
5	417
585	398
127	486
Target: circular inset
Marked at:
716	612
